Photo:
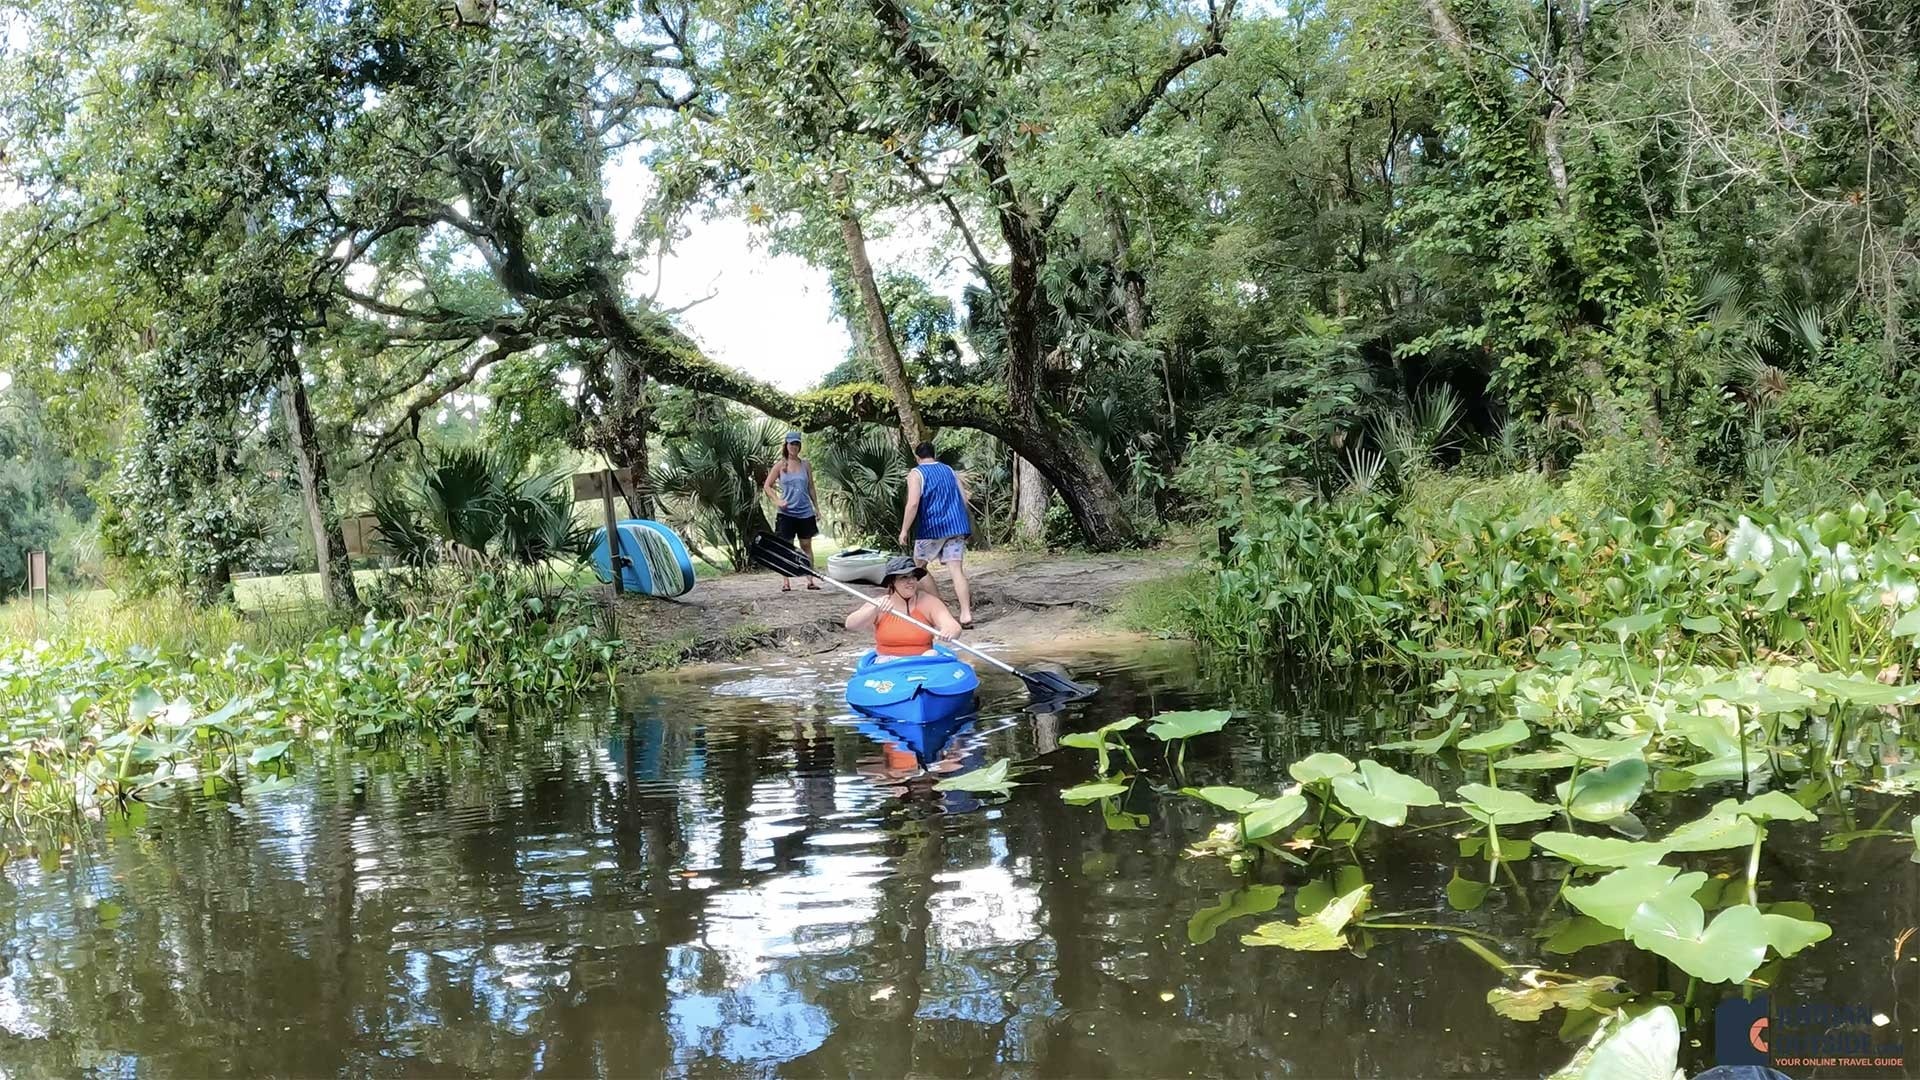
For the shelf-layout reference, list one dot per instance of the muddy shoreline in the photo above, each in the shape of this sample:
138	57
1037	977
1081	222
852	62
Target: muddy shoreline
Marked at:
1021	600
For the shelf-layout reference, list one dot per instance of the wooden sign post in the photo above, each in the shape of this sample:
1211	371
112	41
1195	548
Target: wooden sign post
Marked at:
37	579
616	558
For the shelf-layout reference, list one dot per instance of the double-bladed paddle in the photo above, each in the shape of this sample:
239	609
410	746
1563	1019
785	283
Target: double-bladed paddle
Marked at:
1045	686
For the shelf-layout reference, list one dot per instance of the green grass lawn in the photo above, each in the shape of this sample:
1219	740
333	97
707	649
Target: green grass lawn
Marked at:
284	608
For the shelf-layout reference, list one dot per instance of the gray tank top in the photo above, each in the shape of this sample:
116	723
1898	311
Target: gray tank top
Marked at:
793	488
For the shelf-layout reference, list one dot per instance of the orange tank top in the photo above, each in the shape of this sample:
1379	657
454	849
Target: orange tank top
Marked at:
895	636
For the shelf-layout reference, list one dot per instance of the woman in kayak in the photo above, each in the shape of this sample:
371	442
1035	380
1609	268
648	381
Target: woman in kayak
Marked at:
895	636
790	484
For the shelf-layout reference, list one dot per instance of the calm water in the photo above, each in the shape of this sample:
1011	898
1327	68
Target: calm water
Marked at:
728	876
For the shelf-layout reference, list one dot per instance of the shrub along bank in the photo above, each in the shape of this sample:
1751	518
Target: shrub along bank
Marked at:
92	730
1510	567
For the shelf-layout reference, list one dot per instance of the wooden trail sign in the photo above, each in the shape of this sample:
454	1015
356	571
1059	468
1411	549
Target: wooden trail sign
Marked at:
37	578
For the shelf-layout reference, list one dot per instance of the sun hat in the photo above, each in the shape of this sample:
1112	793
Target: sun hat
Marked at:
899	565
793	436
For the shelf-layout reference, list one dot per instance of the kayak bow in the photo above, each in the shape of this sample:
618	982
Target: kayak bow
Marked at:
913	689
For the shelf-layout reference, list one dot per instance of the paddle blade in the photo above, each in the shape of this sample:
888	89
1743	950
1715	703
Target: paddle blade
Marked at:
1047	685
778	556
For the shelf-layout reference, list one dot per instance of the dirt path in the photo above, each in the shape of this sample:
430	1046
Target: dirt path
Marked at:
1020	599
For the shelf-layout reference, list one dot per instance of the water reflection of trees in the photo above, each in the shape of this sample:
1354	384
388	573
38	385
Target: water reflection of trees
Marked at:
698	885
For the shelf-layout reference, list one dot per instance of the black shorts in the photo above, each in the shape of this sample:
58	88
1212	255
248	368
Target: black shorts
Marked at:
788	527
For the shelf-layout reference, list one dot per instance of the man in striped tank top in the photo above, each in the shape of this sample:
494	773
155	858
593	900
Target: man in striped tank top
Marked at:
936	518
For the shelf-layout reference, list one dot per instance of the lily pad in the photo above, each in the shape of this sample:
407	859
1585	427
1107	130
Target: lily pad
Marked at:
1774	806
1720	828
1529	1003
1093	791
1644	1047
1268	816
1730	949
1381	794
1728	767
1540	759
1788	934
219	717
989	779
1466	894
1511	848
1231	799
1600	751
1099	739
1512	733
1716	733
1581	932
1319	892
1600	850
1614	898
270	752
1432	744
1252	900
1174	726
144	703
1855	691
1605	794
1323	931
1758	696
1498	806
1321	766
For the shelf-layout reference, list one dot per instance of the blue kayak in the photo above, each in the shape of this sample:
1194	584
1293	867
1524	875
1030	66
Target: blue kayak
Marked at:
913	689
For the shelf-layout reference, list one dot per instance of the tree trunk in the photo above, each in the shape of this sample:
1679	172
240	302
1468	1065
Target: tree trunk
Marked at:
316	496
1446	29
1031	496
1566	64
1024	356
1133	284
1069	465
623	438
884	349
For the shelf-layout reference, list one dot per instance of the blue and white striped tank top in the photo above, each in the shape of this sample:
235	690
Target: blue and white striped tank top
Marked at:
943	510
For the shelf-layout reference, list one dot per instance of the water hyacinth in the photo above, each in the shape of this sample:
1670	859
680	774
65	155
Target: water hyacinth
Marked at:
1355	580
95	731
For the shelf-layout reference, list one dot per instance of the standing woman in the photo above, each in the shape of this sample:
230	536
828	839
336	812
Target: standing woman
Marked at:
790	485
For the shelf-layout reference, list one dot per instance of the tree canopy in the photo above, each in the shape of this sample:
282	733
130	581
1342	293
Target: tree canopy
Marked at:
1588	223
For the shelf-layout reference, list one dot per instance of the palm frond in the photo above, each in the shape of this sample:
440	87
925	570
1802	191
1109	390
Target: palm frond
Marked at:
1363	470
402	533
863	479
463	496
1805	326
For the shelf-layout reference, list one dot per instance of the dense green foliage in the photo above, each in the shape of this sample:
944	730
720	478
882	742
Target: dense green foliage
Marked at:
711	475
92	729
468	505
1343	241
1511	567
